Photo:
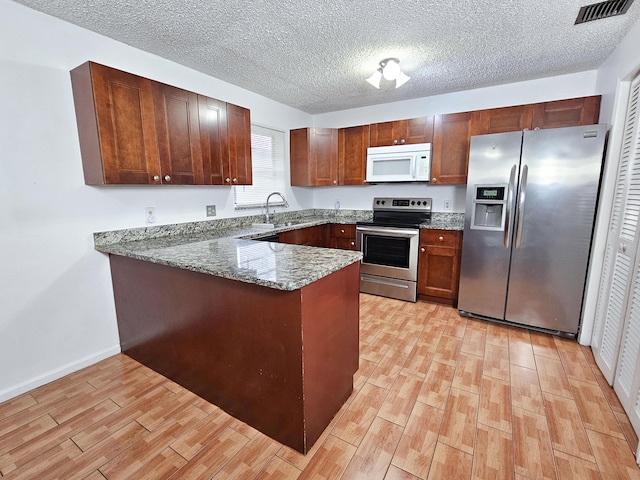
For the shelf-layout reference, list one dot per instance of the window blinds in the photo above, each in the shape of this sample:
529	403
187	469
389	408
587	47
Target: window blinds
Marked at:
267	160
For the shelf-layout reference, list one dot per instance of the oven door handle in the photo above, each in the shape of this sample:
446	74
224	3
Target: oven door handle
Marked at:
396	232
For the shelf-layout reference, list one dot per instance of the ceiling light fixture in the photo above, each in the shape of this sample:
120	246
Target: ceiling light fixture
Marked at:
390	70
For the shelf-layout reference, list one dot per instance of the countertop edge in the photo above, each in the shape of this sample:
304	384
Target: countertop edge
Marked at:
348	258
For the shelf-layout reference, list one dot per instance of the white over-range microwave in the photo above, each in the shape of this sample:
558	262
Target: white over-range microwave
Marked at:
400	163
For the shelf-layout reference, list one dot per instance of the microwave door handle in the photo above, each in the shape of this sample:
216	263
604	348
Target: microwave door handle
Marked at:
414	166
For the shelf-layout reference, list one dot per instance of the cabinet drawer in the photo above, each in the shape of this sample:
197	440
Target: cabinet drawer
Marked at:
441	238
343	231
343	243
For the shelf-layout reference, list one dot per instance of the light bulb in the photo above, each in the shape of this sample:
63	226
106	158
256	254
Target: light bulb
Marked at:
391	69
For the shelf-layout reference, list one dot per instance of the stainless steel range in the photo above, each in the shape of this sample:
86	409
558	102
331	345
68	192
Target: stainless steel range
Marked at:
389	244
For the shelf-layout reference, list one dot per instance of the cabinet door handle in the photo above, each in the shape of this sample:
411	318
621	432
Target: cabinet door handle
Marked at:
422	249
235	180
434	180
227	180
167	178
342	230
402	141
156	178
335	182
353	244
395	142
441	239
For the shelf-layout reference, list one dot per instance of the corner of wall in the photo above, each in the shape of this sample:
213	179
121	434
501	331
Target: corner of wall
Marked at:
57	373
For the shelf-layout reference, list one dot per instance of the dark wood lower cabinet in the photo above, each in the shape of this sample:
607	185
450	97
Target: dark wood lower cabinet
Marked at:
439	265
343	236
317	236
281	361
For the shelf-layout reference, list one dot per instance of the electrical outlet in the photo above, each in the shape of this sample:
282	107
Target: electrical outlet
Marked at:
150	214
211	210
447	205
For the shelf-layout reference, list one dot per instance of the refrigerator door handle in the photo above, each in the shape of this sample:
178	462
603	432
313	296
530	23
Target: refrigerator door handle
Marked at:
523	196
507	222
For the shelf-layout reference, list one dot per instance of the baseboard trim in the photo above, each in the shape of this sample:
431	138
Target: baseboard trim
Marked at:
50	376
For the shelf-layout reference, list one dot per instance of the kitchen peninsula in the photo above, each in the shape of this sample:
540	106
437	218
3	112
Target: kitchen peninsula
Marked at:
266	331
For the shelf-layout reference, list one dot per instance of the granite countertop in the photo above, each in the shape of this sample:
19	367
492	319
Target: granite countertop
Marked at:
446	221
225	248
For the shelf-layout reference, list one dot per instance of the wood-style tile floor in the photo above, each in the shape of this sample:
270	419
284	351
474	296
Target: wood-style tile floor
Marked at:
437	396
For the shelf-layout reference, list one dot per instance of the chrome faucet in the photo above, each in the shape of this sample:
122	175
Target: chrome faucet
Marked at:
286	204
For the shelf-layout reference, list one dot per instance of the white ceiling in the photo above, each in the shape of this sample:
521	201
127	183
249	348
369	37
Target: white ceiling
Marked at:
314	55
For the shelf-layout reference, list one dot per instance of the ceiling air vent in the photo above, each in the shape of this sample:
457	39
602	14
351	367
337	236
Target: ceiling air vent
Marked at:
607	9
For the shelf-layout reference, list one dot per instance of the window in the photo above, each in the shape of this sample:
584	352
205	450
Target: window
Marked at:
267	163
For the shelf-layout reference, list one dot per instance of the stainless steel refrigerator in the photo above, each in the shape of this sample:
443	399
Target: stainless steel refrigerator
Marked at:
530	210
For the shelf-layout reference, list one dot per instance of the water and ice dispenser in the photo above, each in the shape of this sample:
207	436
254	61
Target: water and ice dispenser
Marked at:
489	207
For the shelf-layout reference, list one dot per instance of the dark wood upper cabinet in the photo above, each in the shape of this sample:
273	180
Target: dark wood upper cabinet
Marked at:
567	113
134	130
450	155
213	138
506	119
314	156
116	126
239	140
178	131
449	134
352	154
400	132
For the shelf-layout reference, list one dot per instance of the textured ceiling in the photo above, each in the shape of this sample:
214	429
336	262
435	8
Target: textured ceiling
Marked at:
314	55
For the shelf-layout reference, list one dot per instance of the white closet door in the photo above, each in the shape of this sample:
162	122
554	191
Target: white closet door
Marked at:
621	247
627	378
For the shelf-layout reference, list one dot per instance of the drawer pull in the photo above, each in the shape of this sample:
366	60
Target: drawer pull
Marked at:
422	249
441	238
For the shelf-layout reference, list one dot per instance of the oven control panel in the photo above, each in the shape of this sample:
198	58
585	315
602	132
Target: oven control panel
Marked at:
402	204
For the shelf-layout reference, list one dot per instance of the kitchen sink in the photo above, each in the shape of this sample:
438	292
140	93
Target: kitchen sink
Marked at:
271	226
290	224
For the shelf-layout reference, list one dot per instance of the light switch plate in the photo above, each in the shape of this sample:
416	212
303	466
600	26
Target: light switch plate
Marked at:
211	210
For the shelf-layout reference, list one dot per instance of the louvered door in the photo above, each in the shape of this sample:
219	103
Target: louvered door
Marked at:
621	248
627	378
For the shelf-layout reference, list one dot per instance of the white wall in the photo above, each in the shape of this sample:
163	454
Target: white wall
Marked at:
57	311
613	83
356	197
533	91
55	291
